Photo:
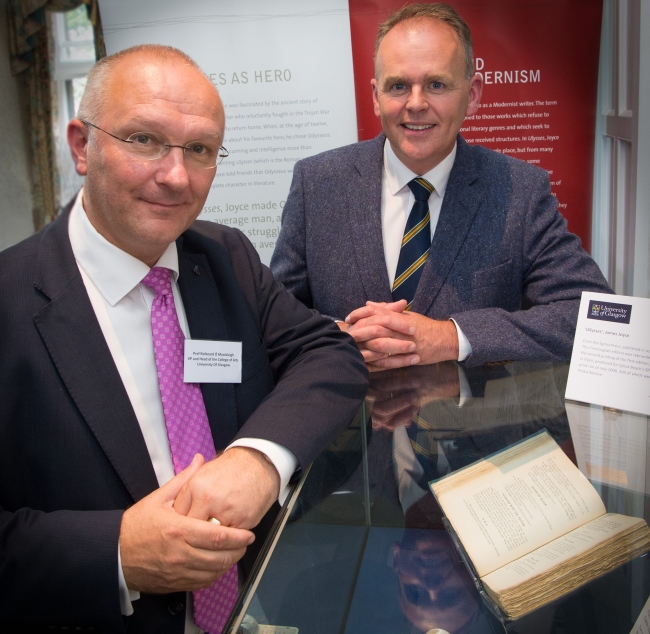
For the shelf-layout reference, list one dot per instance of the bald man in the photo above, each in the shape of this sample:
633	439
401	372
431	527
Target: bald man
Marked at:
102	525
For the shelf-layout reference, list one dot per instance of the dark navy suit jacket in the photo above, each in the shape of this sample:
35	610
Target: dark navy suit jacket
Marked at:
72	456
502	262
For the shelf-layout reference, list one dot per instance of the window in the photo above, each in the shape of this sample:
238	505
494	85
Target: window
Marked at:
73	55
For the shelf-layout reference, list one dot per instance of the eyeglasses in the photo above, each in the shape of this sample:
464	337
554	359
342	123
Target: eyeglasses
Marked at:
151	147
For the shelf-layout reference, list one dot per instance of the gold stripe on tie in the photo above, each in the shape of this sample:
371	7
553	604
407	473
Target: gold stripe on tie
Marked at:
423	424
426	184
423	451
411	269
418	227
415	244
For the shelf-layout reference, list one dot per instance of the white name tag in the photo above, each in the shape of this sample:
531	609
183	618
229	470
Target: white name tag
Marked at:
212	361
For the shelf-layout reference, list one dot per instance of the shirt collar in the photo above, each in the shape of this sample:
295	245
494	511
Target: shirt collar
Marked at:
398	175
114	272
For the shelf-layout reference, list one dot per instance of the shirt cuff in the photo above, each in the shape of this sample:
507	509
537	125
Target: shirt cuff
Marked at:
281	458
464	346
465	391
126	595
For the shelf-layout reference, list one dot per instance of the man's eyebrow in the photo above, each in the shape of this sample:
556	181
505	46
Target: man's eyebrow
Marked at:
447	80
148	125
143	122
396	79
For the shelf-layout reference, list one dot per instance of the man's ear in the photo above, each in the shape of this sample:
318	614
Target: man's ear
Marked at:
78	142
475	92
375	97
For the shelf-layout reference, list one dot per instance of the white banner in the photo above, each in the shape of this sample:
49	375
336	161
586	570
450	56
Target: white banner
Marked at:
284	72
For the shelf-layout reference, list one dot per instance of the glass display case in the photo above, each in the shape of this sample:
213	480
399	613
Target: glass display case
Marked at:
360	547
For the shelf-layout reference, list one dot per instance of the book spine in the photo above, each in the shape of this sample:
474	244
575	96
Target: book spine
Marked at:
493	607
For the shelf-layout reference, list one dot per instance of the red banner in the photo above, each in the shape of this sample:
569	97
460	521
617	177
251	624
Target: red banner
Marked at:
539	62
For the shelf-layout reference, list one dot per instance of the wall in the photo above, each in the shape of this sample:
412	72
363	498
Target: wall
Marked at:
15	188
641	280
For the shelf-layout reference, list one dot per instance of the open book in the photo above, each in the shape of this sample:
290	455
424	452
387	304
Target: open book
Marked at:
532	526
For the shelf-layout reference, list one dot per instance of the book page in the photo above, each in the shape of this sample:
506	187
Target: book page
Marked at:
508	505
551	555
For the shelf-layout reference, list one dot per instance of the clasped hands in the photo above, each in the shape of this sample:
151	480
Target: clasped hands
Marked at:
166	542
391	337
395	397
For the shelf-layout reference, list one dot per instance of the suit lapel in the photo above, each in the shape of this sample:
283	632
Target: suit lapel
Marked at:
206	320
364	220
75	342
461	202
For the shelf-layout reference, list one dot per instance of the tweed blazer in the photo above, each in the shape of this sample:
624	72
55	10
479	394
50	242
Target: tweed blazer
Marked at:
502	263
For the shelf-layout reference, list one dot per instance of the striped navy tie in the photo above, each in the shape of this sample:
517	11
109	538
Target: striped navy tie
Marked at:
415	243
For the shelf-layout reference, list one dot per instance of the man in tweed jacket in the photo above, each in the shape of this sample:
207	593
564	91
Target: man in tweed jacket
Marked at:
503	277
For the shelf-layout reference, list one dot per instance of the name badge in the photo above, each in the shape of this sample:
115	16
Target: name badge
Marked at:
212	361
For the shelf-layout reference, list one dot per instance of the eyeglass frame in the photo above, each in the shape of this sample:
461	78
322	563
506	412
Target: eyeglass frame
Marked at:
222	152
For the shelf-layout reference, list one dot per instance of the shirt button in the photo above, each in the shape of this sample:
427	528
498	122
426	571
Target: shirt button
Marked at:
175	607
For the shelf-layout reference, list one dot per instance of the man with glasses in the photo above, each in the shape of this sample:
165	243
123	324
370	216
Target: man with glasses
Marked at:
115	513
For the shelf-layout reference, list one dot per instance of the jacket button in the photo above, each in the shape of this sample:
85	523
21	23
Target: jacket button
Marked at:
175	607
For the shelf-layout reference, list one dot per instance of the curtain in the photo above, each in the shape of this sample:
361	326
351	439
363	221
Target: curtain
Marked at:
29	54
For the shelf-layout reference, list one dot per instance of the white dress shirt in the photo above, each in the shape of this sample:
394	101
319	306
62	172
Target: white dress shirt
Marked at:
396	203
122	305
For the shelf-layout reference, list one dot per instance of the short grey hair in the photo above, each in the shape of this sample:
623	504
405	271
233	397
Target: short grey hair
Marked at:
437	11
94	98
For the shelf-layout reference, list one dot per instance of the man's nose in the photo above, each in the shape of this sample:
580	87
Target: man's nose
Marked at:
417	99
172	170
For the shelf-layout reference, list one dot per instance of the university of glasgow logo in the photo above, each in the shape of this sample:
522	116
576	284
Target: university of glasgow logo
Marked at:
606	311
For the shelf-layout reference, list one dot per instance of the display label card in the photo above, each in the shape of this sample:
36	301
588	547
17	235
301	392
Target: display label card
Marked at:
610	363
611	446
212	361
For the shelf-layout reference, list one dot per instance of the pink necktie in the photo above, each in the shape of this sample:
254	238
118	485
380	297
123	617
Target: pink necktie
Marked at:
188	431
